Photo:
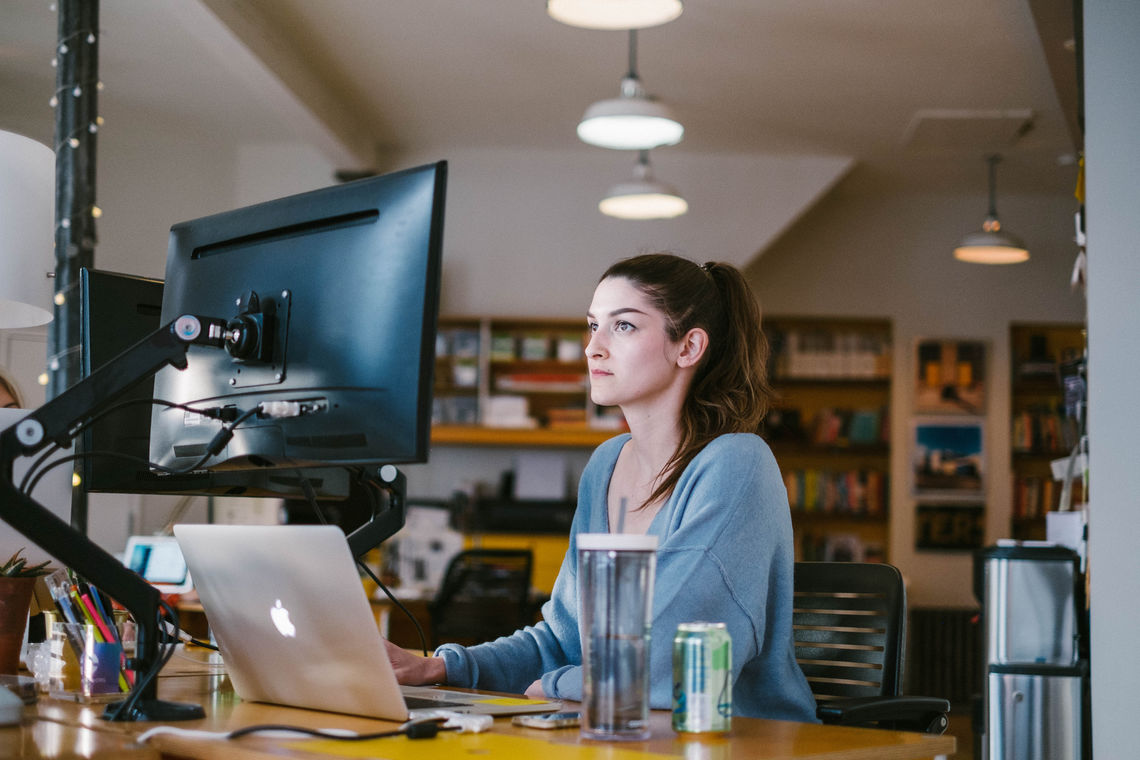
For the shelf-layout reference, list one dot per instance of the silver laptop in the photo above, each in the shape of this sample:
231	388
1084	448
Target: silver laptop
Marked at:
294	626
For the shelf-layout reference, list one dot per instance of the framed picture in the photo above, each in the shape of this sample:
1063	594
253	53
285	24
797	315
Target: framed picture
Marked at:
951	376
948	457
949	526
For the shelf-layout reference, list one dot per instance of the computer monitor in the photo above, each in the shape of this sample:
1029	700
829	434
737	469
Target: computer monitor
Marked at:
332	303
115	312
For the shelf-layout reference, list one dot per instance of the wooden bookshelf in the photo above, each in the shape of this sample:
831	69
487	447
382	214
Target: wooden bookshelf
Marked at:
1041	428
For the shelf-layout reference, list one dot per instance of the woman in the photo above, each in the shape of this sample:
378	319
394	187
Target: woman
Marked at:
9	393
678	348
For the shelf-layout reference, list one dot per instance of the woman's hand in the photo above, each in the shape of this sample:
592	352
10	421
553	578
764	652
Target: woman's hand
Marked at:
534	691
414	670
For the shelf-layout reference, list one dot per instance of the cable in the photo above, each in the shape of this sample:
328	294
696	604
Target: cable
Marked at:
421	729
168	646
395	601
212	449
424	729
32	471
311	496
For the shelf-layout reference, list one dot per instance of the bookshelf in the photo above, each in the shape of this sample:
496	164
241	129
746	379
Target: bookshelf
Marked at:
522	383
829	430
1041	429
515	382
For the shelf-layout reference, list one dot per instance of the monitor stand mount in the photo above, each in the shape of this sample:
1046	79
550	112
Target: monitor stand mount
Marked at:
57	422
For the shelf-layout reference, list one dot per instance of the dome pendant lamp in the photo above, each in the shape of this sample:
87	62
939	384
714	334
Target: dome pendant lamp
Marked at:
991	244
614	14
633	120
644	197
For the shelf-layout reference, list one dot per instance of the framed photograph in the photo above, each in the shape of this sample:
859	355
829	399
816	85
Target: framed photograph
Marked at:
951	376
949	526
948	457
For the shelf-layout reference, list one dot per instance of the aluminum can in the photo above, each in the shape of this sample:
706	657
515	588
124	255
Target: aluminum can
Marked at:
702	678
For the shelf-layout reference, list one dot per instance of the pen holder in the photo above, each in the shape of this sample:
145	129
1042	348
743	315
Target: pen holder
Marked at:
79	663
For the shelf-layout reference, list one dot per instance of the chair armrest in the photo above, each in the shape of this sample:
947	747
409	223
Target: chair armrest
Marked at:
904	713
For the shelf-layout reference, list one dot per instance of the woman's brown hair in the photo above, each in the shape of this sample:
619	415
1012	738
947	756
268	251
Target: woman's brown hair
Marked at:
730	391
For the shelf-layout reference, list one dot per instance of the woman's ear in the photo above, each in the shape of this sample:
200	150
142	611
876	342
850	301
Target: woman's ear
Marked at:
693	346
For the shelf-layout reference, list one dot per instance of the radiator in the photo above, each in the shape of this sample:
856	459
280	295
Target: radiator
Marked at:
944	655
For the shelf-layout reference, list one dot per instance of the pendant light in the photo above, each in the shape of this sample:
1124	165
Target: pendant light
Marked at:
991	244
614	14
644	197
633	120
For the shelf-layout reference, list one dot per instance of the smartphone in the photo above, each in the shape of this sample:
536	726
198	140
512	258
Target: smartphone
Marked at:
547	720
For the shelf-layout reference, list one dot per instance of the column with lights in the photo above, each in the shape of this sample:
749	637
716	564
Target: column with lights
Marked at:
77	124
76	128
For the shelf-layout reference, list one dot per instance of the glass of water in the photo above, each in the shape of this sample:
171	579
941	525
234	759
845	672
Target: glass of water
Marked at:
615	597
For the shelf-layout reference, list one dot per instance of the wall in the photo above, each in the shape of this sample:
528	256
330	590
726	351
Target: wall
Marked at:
874	249
1112	111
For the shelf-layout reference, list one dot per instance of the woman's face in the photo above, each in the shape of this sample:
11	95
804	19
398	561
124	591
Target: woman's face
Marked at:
7	401
630	357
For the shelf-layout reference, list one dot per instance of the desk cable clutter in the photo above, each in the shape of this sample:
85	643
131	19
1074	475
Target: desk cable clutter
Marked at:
421	728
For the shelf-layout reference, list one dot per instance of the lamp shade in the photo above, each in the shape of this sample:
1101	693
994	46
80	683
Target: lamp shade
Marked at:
991	244
991	247
614	14
632	121
27	208
643	198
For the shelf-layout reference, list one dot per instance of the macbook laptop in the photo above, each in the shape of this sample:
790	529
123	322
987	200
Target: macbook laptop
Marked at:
294	625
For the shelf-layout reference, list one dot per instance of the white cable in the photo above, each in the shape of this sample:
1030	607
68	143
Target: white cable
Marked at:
146	736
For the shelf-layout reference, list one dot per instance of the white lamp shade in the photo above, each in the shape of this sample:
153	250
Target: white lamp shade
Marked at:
629	123
27	209
985	247
614	14
643	199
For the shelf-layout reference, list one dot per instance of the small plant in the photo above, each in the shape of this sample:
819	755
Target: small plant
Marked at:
17	567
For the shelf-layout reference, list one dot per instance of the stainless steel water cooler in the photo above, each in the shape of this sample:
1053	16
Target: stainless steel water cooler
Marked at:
1035	637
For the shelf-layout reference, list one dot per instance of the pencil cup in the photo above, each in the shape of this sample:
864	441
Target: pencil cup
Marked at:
615	592
80	662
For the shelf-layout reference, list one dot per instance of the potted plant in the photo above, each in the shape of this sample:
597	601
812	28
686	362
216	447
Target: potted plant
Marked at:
17	579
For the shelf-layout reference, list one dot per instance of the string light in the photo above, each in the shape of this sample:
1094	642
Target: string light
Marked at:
59	299
43	378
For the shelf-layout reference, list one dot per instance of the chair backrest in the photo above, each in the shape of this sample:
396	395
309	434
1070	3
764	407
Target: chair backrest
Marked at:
485	593
849	623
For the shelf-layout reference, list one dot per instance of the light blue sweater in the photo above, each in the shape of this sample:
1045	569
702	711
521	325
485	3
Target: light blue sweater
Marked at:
725	554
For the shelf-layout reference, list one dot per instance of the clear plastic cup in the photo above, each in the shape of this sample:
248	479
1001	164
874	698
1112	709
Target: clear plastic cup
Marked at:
615	593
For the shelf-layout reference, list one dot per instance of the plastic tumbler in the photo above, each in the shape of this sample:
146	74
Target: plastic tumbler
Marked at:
615	597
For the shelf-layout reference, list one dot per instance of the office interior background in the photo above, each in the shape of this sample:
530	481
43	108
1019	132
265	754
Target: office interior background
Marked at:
834	151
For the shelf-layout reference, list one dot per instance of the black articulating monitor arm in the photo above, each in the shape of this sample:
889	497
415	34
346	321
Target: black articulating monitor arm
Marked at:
56	422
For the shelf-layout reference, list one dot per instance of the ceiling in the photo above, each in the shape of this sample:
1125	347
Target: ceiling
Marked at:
920	90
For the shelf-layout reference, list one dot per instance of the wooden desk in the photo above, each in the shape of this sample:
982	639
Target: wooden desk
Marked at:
64	729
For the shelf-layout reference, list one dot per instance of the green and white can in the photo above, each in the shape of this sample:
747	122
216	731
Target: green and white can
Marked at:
702	678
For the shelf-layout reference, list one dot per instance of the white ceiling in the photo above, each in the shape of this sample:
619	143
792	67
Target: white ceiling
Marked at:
883	82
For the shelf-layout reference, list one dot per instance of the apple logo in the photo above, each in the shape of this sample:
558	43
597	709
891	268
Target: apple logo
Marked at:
280	617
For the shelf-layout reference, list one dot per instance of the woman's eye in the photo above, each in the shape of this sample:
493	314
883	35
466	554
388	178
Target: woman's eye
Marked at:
622	326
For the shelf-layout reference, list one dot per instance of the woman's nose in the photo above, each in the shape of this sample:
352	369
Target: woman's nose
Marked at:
594	346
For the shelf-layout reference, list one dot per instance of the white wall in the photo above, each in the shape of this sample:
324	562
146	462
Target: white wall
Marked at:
882	251
544	204
1112	67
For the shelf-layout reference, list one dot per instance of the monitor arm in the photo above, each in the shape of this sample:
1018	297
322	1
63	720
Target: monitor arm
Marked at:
383	524
57	421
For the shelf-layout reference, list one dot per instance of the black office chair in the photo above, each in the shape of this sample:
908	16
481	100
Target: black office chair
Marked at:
485	594
849	623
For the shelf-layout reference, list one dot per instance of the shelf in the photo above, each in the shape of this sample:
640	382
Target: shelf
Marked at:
796	449
478	435
832	382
